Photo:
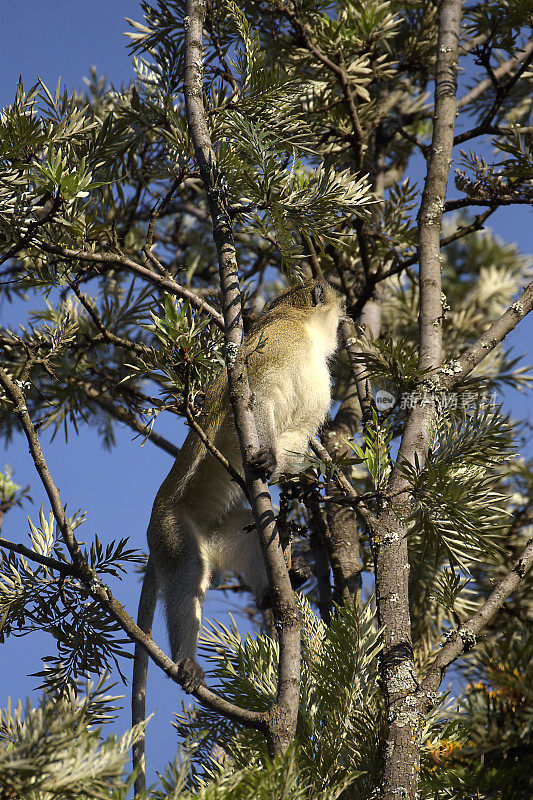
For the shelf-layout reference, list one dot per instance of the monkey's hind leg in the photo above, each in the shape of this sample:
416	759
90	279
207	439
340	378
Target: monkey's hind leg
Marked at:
184	582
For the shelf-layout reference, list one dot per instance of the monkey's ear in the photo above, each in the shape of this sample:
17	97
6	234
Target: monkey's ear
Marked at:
317	294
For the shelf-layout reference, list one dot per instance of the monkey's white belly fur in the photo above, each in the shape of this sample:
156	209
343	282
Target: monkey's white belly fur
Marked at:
301	406
295	409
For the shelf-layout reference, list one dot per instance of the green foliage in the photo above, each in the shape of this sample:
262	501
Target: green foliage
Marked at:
451	592
376	453
390	364
33	598
11	494
110	175
503	18
457	506
186	356
279	777
259	134
485	181
43	154
63	343
340	723
394	221
8	488
55	749
496	710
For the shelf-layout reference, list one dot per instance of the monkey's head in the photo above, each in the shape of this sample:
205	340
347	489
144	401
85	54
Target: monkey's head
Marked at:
307	296
314	302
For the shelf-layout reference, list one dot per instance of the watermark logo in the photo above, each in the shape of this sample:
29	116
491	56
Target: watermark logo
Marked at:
384	400
446	400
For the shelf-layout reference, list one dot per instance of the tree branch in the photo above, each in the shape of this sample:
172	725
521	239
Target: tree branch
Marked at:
215	452
322	453
342	534
455	373
357	370
476	225
464	638
118	341
388	534
32	228
376	278
128	419
501	200
16	396
109	260
282	716
46	561
498	73
501	94
159	209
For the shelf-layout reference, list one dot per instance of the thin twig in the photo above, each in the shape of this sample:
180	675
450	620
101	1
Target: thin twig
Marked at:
424	148
152	258
160	207
501	93
16	396
46	561
357	369
128	419
316	269
304	40
464	230
109	260
322	453
215	452
125	344
476	225
500	200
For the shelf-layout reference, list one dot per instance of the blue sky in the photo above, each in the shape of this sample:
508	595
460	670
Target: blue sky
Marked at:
64	38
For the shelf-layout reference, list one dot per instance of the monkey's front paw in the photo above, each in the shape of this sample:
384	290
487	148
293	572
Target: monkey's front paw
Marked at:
263	463
300	572
190	675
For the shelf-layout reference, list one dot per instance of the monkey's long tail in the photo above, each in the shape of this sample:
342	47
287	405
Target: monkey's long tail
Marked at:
145	617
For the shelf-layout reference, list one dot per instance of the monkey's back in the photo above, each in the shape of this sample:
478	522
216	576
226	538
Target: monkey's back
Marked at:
197	479
196	473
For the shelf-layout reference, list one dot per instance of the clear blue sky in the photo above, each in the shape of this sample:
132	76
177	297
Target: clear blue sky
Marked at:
64	38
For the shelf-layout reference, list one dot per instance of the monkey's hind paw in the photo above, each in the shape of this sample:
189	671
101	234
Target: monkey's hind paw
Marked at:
190	675
263	463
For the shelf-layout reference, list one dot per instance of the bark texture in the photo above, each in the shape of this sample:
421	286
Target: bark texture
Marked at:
389	534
